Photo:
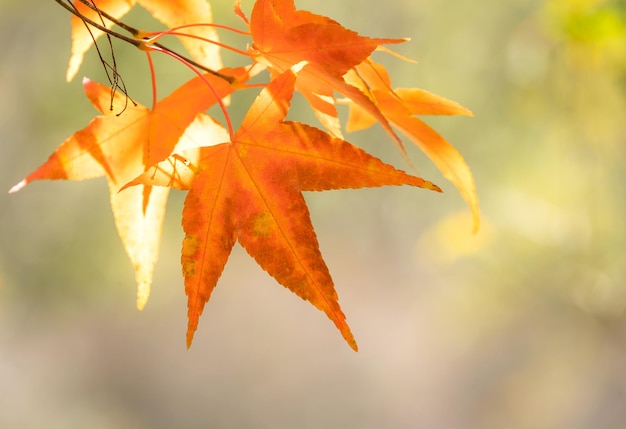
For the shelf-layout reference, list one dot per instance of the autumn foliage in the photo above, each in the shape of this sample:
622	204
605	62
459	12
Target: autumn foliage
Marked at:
242	185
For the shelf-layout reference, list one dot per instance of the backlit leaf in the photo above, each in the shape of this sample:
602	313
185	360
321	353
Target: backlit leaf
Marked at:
249	190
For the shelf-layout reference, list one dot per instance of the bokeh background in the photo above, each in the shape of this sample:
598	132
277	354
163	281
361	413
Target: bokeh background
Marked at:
521	326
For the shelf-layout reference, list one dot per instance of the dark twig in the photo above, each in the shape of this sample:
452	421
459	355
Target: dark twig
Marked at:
133	31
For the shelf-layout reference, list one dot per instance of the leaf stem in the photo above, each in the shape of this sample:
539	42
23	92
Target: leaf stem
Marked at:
173	32
229	124
210	24
153	79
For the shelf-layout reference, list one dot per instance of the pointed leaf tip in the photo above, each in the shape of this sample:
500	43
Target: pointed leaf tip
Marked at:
354	346
143	293
475	220
18	186
189	338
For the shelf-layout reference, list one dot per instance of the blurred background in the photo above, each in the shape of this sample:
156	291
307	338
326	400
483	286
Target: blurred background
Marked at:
520	326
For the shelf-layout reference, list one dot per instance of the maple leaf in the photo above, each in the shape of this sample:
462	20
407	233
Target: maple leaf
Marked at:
400	106
284	36
337	57
122	146
249	190
172	13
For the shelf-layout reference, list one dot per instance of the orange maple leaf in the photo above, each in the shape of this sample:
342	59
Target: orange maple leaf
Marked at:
123	145
400	106
284	36
249	190
172	13
337	58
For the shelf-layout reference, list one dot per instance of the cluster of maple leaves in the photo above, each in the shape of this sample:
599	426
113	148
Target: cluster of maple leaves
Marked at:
243	185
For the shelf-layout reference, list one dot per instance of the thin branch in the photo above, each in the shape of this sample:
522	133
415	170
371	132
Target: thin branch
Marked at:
134	42
114	20
116	81
135	32
117	78
211	87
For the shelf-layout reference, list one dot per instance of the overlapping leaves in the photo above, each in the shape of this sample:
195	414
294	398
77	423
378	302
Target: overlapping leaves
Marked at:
249	190
246	186
123	146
